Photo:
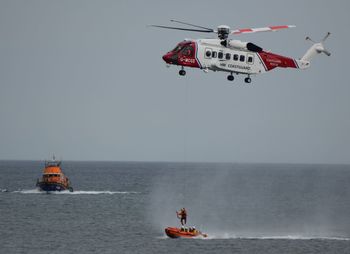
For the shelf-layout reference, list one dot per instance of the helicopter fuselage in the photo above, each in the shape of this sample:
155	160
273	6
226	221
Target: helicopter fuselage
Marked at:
210	54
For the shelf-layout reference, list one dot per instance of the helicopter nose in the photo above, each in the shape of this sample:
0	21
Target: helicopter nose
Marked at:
166	57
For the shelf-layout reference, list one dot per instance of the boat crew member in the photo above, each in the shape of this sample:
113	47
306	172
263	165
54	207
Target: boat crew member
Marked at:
182	215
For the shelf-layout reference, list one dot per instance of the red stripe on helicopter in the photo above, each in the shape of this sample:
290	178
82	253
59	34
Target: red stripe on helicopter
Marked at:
261	29
278	27
272	61
247	30
261	60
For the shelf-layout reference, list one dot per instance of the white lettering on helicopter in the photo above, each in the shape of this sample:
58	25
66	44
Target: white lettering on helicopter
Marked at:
273	60
235	66
188	60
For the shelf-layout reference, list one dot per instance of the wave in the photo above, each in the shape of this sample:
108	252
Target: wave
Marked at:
36	191
162	237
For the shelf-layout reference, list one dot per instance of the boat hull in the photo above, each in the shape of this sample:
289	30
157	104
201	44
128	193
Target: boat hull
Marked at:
173	232
53	187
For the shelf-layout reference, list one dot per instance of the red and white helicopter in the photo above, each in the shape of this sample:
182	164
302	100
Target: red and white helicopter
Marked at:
233	56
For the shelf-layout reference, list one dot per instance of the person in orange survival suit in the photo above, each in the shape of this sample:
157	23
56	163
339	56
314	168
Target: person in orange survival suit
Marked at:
182	215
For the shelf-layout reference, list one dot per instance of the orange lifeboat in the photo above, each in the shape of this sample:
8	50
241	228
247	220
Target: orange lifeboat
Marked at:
53	178
183	232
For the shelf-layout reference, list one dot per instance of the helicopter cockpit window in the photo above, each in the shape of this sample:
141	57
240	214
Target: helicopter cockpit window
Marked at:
187	51
177	48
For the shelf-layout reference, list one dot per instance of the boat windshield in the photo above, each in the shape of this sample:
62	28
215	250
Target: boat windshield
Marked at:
52	175
52	163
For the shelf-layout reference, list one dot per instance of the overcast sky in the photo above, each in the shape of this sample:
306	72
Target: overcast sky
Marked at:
85	80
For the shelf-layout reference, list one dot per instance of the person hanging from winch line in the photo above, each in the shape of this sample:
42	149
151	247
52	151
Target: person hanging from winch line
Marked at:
182	215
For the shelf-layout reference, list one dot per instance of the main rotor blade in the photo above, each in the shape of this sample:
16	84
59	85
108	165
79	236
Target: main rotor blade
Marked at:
184	23
261	29
184	29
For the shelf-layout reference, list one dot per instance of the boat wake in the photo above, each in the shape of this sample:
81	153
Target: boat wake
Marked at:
274	237
230	236
66	192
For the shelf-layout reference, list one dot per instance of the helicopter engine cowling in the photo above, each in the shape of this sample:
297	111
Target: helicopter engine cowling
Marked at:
244	45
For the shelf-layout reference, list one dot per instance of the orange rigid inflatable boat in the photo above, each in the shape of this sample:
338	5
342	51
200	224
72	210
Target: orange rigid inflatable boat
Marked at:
183	232
53	178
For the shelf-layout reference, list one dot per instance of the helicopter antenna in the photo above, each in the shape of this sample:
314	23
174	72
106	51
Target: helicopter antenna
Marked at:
184	23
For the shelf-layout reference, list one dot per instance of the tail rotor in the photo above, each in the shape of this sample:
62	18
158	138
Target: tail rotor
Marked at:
309	39
316	48
323	40
327	35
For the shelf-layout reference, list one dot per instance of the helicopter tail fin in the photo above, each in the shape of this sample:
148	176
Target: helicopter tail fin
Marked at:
315	49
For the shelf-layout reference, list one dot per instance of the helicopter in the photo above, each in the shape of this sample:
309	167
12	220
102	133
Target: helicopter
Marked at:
233	56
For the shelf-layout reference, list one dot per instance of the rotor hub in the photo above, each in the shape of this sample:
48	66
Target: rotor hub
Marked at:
223	32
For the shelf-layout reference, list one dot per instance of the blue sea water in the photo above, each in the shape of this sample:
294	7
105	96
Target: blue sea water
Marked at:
123	207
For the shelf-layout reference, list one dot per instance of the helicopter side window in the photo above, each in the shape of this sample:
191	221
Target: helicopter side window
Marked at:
235	57
214	54
250	59
220	55
207	53
228	56
241	58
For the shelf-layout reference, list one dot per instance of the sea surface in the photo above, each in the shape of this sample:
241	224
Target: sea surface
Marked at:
123	207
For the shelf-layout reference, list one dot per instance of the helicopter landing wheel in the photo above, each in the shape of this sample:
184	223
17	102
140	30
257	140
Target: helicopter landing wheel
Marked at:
247	80
182	72
230	77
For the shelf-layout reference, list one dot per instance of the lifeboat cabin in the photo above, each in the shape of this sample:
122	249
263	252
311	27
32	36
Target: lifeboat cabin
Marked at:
53	178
